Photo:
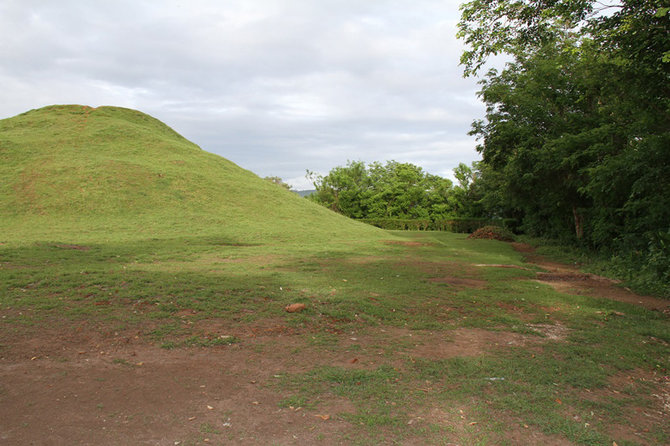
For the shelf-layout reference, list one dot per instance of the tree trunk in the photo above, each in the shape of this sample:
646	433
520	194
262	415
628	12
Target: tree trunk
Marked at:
579	229
336	202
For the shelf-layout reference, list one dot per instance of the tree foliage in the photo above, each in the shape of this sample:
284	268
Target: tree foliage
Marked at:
391	190
576	138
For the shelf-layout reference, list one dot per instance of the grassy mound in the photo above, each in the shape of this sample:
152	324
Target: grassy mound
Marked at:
72	171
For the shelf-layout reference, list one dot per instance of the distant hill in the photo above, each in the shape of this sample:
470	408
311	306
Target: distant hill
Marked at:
304	193
76	171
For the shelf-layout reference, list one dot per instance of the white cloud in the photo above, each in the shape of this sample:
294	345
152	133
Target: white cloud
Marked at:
277	86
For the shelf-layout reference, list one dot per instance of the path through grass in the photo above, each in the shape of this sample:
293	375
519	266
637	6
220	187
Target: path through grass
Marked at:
409	338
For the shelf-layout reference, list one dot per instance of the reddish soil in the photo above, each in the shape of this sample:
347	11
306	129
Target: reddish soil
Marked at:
640	420
85	385
568	279
110	390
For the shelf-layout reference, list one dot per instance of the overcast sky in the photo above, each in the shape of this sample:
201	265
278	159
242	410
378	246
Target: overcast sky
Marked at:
277	87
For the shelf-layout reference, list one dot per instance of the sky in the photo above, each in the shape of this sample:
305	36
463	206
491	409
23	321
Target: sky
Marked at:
276	86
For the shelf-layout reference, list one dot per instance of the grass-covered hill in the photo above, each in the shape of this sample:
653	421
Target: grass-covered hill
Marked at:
76	171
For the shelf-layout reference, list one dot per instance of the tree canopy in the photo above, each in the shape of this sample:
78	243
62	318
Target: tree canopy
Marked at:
576	138
391	190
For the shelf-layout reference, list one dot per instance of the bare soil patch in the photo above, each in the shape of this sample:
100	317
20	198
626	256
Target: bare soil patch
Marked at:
644	416
153	396
90	385
568	279
497	265
463	342
556	332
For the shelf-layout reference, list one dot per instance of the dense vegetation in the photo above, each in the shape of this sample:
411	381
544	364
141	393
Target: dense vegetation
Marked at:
576	139
392	191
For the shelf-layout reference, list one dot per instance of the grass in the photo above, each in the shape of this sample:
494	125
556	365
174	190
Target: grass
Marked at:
189	244
111	173
159	286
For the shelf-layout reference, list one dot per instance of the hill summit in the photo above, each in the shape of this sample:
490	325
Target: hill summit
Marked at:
76	170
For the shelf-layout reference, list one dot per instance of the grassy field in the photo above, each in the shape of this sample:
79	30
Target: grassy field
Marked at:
158	310
425	333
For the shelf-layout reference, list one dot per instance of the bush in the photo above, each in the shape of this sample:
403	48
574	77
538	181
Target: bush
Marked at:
645	270
398	223
493	233
460	225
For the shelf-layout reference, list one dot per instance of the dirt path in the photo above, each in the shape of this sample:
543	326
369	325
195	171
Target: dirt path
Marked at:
568	279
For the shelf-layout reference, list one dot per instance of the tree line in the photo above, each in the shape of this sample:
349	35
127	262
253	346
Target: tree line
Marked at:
576	138
575	143
392	190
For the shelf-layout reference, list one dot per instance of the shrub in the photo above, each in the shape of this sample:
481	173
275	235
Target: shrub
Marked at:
454	224
493	233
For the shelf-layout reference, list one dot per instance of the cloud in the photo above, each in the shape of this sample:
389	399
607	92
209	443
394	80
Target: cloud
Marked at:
275	86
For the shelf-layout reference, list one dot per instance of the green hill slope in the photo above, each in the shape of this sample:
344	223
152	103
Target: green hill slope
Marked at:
78	172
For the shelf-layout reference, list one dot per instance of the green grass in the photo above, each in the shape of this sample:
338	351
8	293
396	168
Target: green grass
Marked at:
110	173
146	233
158	286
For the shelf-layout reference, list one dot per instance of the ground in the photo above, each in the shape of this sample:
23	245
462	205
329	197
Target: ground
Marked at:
90	384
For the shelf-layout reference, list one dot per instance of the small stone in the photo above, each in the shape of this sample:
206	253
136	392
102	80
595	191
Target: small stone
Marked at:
295	308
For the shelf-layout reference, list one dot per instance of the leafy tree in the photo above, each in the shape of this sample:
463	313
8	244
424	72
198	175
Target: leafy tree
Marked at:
345	189
540	123
465	198
391	190
490	192
577	128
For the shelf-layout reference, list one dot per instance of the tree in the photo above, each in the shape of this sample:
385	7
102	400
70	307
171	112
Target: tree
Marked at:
391	190
540	126
578	124
517	27
464	198
345	189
